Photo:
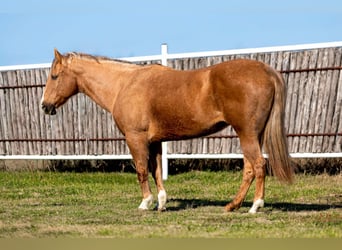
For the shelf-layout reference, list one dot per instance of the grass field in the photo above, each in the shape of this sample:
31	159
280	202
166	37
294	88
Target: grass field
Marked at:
50	204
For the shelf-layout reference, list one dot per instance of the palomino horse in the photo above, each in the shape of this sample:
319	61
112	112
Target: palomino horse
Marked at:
153	103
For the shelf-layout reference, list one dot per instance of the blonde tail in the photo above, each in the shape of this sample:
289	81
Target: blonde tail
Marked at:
274	137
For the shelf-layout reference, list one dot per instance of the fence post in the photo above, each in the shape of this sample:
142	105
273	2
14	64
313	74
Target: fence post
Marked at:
164	53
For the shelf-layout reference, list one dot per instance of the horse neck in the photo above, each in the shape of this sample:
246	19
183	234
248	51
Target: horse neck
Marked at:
100	81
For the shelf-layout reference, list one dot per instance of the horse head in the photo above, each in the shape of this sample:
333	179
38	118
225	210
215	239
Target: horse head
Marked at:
61	84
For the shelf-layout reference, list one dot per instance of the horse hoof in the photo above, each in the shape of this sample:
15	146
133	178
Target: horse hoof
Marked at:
229	208
163	209
232	206
256	205
146	203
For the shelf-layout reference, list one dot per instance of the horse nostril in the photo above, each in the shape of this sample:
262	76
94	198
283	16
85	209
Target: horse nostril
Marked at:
53	111
43	107
49	109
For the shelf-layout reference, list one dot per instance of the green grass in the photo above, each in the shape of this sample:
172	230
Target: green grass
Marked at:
48	204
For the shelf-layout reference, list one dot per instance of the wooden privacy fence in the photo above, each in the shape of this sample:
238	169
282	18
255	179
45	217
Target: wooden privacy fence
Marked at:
81	128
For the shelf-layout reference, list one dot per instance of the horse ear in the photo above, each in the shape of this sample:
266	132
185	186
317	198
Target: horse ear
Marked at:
58	56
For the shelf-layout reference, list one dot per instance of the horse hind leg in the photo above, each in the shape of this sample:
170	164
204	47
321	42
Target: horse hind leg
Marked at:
260	173
253	153
254	168
247	179
155	162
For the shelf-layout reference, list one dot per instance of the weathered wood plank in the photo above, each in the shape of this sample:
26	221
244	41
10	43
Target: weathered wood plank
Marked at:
3	116
333	80
291	99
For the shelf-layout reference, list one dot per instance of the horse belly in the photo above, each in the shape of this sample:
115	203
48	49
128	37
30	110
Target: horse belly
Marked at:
177	126
186	112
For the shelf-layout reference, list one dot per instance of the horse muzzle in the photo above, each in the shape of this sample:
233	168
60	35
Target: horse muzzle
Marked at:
49	109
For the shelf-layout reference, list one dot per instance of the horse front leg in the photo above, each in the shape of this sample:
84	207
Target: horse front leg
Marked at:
138	146
156	168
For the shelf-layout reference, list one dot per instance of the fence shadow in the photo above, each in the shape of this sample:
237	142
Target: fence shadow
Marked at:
183	204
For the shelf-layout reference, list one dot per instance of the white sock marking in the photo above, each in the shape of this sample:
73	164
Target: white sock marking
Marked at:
162	200
256	204
146	203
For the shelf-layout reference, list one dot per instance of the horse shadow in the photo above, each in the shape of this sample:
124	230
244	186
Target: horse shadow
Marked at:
184	204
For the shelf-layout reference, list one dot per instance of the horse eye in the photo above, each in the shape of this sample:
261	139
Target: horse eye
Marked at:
54	77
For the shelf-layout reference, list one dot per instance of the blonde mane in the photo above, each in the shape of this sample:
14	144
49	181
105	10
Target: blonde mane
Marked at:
97	59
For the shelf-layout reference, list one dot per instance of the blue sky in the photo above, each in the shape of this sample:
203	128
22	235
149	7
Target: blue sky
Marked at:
30	29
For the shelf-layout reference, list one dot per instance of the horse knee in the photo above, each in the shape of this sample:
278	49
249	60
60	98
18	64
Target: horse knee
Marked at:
142	171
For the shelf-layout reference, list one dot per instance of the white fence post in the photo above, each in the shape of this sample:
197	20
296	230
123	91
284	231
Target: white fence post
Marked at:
164	56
